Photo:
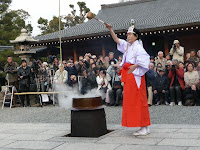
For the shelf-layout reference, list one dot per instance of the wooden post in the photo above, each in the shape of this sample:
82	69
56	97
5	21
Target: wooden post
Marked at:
166	46
48	51
103	51
75	55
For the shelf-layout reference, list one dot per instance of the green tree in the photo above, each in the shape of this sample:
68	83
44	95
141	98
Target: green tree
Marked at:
49	26
4	4
11	23
43	25
73	19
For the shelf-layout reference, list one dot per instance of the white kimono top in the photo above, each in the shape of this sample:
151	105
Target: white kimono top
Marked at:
135	54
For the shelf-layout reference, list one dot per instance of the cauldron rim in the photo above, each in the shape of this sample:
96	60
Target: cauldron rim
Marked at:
86	98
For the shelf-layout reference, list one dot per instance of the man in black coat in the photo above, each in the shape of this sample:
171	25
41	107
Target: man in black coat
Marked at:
161	87
24	73
88	82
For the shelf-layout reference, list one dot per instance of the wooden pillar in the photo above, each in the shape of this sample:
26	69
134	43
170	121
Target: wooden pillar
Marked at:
166	46
103	51
48	51
75	55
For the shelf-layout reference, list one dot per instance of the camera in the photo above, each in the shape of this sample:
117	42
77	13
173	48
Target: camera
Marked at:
173	67
115	68
167	66
174	47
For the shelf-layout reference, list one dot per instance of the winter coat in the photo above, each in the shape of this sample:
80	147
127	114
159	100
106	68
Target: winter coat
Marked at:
191	78
102	83
150	77
11	70
161	83
61	77
180	73
88	83
178	54
26	73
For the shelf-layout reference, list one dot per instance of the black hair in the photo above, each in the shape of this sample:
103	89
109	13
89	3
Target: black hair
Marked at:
113	60
23	61
137	33
180	62
70	57
152	57
187	62
104	72
193	50
101	69
86	71
190	63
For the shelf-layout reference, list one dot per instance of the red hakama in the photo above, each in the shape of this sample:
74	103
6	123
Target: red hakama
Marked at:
135	105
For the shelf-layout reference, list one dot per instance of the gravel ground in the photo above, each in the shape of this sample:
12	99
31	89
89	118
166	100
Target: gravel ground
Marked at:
50	114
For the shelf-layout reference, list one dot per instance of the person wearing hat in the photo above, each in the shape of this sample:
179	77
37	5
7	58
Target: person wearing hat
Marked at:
24	74
135	64
177	51
161	87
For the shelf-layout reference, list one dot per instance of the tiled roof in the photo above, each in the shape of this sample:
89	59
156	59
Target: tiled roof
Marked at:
148	14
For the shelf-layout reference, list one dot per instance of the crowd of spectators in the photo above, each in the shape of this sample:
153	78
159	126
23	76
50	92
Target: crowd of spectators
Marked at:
88	73
169	81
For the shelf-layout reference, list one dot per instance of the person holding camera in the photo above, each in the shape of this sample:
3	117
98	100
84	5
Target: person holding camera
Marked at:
177	51
83	64
72	73
24	74
100	62
88	82
104	85
168	67
115	93
176	75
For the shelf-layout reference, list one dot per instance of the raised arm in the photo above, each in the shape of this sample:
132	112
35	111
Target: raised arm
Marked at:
114	36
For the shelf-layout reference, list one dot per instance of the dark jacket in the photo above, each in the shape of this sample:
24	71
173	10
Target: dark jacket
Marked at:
161	83
71	71
150	77
11	70
81	68
26	73
88	83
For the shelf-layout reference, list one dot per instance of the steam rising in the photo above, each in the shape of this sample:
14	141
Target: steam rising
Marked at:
67	94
